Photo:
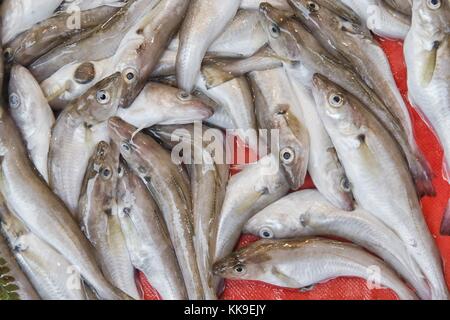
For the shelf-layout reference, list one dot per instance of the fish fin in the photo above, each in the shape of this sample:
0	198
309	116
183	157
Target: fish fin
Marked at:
56	93
307	288
288	281
445	225
215	76
429	66
423	176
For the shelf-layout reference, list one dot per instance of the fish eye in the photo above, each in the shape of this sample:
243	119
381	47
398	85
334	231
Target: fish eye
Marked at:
434	4
266	233
8	54
183	95
345	184
312	6
103	97
274	30
336	100
130	75
125	147
287	155
14	100
106	173
239	269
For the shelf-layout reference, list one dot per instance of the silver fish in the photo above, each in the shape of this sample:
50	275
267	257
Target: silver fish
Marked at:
51	273
307	213
27	195
170	187
77	131
248	192
32	115
20	15
381	182
209	178
83	5
324	166
254	4
277	108
165	105
98	217
290	39
204	22
283	263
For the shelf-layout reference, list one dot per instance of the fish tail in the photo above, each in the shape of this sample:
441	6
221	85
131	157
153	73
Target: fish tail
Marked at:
215	76
445	225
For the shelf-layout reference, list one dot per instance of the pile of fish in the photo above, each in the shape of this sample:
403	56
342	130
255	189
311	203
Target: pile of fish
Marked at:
100	95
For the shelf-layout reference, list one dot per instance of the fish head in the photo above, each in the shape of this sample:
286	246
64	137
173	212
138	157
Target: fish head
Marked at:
281	30
316	14
293	148
104	161
101	101
338	111
246	263
433	18
273	222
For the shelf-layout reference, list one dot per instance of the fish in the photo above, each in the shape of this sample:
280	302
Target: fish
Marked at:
170	187
75	135
356	43
209	176
235	108
15	284
20	15
380	18
32	115
324	167
27	195
147	237
248	192
403	6
205	20
219	70
283	263
49	271
98	216
277	108
83	5
254	4
46	35
165	105
378	173
291	40
427	56
95	44
308	214
137	55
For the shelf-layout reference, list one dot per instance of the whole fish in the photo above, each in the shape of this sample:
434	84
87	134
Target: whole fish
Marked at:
248	192
205	21
277	108
254	4
96	44
355	42
209	176
14	283
380	18
324	166
27	195
427	56
32	115
148	240
381	182
220	70
165	105
51	273
291	40
137	55
20	15
98	217
304	263
44	36
77	131
242	37
307	213
170	187
236	109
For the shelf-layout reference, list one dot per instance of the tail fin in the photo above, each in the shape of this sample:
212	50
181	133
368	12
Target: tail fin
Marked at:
215	76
